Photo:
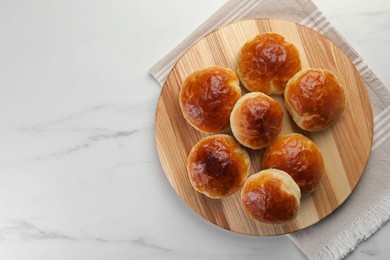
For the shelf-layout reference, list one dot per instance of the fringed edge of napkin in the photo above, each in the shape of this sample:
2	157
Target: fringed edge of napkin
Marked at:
358	231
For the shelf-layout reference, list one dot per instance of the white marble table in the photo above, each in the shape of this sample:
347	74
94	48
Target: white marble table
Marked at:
79	173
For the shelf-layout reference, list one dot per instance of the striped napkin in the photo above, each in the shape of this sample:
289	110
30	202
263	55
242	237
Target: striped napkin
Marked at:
368	207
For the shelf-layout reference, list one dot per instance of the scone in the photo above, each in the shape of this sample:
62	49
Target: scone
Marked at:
217	166
299	157
271	196
256	120
207	97
315	99
266	63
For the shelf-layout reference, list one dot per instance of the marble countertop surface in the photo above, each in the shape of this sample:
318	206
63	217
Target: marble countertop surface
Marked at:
79	174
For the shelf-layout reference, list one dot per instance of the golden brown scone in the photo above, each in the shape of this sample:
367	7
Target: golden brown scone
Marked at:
256	120
271	196
314	98
298	156
217	166
207	97
267	62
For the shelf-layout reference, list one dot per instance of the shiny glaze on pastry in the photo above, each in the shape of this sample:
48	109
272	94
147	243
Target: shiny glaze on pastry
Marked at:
256	120
217	166
271	196
299	157
315	99
207	98
266	63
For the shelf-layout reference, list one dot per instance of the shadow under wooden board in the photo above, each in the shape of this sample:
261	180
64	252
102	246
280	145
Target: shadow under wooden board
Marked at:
345	146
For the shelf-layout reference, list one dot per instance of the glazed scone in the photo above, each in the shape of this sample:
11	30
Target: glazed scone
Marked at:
217	166
207	98
271	196
299	157
315	99
256	120
267	62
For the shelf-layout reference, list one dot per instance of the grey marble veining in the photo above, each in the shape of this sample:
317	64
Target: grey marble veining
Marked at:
79	172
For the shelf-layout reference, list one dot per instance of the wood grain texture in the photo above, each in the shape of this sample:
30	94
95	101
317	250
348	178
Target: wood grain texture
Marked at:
345	146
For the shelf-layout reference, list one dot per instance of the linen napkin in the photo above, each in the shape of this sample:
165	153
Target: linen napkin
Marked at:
368	207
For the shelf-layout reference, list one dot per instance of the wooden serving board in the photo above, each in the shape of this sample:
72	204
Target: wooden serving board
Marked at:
345	147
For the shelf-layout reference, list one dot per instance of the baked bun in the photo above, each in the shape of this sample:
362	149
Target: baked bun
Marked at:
271	196
207	97
256	120
217	166
266	63
315	99
299	157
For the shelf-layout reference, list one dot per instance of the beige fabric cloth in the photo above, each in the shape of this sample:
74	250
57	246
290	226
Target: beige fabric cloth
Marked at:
368	208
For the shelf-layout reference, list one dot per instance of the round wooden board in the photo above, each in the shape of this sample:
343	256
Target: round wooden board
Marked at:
346	146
